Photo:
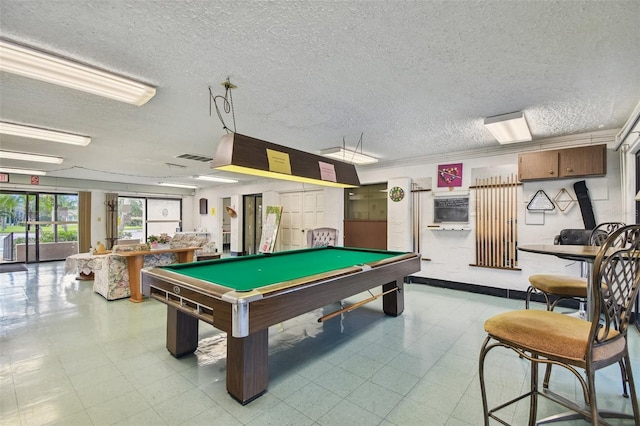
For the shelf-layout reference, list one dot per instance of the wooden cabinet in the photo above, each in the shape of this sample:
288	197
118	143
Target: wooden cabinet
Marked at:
563	163
538	165
584	161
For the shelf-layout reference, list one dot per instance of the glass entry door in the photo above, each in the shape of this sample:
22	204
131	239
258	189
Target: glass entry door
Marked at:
52	226
38	227
13	208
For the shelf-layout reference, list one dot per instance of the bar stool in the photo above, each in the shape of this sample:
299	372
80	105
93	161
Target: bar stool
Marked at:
563	287
546	337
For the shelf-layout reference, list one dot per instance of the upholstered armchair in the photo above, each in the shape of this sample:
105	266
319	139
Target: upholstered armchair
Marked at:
322	237
207	247
111	274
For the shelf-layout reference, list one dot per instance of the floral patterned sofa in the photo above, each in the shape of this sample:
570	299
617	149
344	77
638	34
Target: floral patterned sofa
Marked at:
111	274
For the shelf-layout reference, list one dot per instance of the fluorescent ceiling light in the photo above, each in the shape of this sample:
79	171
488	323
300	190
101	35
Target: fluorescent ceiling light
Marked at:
216	179
177	185
508	128
348	156
243	154
10	155
52	69
43	134
22	171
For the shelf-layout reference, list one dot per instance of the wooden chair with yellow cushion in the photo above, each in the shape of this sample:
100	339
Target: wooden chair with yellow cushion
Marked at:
547	337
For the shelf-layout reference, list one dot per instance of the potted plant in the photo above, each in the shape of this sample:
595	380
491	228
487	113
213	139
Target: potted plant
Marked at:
157	242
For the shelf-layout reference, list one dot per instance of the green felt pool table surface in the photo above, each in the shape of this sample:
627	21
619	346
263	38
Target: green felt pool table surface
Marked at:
251	272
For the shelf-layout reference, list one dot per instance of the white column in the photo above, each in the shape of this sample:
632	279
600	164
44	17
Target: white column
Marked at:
399	214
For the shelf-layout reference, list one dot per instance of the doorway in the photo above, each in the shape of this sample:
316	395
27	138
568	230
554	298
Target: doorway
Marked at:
365	217
300	211
38	227
252	222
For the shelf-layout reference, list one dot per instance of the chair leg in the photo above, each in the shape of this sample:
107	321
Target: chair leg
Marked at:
530	291
593	405
533	401
623	372
632	388
547	376
483	390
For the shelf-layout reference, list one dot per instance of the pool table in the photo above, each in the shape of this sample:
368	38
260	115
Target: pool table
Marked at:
244	296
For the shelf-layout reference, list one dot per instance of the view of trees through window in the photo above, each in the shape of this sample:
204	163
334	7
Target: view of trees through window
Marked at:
30	219
44	226
140	217
131	213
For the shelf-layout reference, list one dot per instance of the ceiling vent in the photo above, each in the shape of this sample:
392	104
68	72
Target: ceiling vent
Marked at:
195	157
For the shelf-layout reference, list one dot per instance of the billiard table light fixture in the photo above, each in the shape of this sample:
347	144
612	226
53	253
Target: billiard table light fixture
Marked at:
243	154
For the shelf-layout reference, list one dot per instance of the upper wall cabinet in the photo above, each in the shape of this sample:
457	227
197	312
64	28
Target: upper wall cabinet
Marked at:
563	163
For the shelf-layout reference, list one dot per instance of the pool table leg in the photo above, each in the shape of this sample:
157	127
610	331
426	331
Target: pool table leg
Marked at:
393	303
248	365
182	332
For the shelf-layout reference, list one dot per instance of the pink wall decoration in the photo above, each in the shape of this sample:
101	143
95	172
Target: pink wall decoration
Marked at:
450	175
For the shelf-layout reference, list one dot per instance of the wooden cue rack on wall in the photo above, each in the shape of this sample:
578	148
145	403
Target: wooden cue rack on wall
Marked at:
416	190
496	222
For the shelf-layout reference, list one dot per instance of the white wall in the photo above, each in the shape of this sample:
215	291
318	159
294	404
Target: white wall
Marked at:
98	218
270	190
399	217
452	252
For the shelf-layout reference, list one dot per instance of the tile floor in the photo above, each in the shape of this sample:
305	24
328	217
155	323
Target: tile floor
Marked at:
69	357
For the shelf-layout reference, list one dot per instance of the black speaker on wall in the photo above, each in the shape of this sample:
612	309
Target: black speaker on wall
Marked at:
203	206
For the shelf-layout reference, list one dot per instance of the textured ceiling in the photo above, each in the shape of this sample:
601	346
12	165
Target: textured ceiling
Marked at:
416	78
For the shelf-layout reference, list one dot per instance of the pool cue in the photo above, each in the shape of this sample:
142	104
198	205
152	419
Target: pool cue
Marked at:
494	222
478	217
503	188
355	305
482	219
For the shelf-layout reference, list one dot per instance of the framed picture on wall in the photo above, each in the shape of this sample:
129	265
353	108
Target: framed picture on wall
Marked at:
450	175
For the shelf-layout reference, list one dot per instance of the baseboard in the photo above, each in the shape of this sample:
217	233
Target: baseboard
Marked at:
490	291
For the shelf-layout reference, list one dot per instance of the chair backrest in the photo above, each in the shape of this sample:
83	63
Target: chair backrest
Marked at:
576	237
130	247
602	231
615	282
322	237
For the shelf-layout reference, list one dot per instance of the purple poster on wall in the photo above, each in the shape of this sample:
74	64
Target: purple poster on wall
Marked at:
450	175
